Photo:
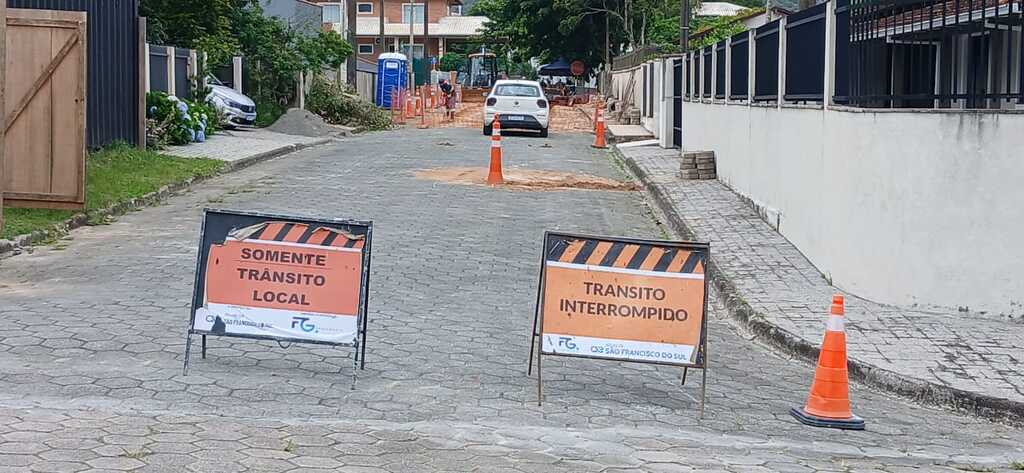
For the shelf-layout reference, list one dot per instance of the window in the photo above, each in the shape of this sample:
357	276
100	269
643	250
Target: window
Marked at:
514	90
455	10
365	49
331	12
364	8
417	10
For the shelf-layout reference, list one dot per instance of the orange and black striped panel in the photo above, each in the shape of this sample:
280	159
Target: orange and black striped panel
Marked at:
306	234
645	257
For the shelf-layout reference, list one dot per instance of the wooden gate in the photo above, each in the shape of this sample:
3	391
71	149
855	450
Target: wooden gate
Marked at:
44	149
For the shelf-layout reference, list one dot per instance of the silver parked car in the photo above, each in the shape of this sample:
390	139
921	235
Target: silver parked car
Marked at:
236	108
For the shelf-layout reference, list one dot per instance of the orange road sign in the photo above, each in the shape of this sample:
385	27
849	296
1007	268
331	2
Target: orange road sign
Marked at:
622	299
282	278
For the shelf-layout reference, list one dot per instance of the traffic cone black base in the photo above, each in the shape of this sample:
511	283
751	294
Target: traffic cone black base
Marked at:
853	423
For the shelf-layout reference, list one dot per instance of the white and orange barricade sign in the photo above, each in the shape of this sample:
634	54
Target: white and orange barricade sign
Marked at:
282	278
622	299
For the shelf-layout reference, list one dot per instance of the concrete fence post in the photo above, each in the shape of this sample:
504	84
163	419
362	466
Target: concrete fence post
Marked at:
728	69
193	69
145	72
751	64
301	92
828	90
206	72
236	73
171	89
782	62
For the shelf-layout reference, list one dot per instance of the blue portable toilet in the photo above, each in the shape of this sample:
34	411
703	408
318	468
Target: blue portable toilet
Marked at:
392	72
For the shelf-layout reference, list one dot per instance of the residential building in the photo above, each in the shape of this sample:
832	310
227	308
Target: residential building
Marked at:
447	24
719	9
299	15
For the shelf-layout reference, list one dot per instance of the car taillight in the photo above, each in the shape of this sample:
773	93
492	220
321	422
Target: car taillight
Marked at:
542	103
491	101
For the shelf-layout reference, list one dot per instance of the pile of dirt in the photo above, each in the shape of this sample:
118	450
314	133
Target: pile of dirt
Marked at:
305	123
527	179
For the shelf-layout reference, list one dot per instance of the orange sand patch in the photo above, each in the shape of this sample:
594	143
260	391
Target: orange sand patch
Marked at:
572	119
526	179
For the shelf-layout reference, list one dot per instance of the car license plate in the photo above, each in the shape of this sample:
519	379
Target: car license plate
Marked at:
515	117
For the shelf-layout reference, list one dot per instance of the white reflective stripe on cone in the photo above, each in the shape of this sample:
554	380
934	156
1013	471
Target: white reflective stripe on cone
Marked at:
835	324
495	144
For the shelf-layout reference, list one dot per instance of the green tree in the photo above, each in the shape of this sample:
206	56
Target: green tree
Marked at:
452	61
547	29
196	24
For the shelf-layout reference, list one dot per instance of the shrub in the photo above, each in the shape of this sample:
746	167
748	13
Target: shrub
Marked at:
174	121
340	105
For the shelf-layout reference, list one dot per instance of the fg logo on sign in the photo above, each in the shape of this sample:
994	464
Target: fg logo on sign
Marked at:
304	324
567	343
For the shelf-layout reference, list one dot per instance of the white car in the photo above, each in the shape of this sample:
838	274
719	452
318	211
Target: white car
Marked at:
236	108
519	104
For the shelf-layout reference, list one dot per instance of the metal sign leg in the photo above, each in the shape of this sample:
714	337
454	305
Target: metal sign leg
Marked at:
204	347
355	365
704	379
188	348
536	316
540	390
685	369
533	342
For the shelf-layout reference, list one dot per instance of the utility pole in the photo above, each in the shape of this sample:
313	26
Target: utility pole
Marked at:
412	42
684	25
605	81
350	63
381	32
426	40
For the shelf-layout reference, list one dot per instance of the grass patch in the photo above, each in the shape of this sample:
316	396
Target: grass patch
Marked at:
1017	465
267	112
113	175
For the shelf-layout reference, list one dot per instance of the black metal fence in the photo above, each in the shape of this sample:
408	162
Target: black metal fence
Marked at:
939	53
112	66
706	90
635	58
696	75
677	101
842	60
805	55
739	58
720	70
159	65
766	62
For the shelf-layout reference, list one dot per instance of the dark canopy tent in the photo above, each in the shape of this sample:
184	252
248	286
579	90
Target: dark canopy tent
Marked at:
559	68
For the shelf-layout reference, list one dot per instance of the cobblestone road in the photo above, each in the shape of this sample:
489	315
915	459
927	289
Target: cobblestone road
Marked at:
93	334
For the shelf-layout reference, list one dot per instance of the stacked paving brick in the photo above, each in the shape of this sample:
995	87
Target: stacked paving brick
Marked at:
698	165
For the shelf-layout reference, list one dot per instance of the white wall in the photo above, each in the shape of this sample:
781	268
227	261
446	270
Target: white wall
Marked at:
900	207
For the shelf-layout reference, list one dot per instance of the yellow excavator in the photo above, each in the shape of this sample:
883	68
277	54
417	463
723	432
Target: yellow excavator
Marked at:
481	73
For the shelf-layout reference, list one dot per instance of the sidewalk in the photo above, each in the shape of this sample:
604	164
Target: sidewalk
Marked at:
242	147
950	359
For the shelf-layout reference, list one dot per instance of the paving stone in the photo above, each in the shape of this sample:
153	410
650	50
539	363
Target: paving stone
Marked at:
942	347
444	389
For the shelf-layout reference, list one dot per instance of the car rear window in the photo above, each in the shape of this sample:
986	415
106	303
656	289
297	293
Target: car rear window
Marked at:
515	90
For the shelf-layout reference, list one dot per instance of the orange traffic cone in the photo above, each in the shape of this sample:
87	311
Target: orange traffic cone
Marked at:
494	176
397	107
408	106
828	405
423	115
599	131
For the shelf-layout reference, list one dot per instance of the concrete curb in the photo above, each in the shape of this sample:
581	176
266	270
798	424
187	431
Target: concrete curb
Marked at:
921	391
11	247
